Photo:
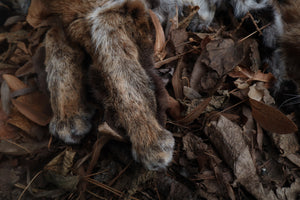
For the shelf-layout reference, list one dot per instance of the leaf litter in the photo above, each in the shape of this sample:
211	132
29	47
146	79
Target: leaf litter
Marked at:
231	140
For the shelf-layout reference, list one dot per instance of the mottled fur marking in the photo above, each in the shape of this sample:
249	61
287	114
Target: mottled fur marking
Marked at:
117	36
64	76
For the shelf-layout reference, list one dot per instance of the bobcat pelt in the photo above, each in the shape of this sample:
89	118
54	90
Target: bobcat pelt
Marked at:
118	37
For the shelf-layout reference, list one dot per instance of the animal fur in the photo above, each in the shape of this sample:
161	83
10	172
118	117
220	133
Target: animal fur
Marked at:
263	11
64	77
117	36
290	40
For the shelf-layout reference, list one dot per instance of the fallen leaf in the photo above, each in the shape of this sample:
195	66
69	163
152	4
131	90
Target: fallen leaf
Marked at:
195	113
259	92
35	106
62	163
177	81
271	119
6	131
217	59
242	72
35	112
58	171
255	94
174	109
241	84
193	146
228	139
18	149
190	93
267	78
13	82
37	13
13	20
20	121
26	69
160	40
68	183
15	37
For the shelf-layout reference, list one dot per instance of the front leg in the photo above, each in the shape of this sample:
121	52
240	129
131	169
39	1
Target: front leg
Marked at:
65	76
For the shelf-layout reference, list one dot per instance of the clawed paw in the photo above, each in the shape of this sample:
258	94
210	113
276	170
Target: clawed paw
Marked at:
71	130
156	155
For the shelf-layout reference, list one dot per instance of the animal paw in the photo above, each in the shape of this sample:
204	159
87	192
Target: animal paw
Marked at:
71	130
156	155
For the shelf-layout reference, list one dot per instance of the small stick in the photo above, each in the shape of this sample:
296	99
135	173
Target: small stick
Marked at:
255	24
25	189
120	173
18	145
243	39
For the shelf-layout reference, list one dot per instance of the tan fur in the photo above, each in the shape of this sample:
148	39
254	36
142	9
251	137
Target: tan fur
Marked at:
64	77
117	35
290	40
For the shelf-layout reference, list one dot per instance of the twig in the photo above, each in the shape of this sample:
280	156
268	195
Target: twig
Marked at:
120	173
96	195
50	142
186	21
254	22
245	38
157	193
25	189
94	174
18	145
108	188
168	60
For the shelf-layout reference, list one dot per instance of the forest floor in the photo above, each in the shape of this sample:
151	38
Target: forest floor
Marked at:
232	142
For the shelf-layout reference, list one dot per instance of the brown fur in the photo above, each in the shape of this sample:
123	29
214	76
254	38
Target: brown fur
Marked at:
290	41
64	77
119	40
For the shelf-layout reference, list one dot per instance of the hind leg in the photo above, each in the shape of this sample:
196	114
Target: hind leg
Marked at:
70	120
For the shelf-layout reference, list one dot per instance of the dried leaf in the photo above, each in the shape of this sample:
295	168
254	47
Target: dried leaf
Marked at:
35	105
255	94
217	59
190	93
19	149
193	146
62	163
228	139
22	46
15	37
267	78
241	72
33	111
13	20
176	80
5	98
37	13
6	131
68	183
13	82
160	40
259	92
241	84
272	119
195	113
18	120
174	109
26	69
